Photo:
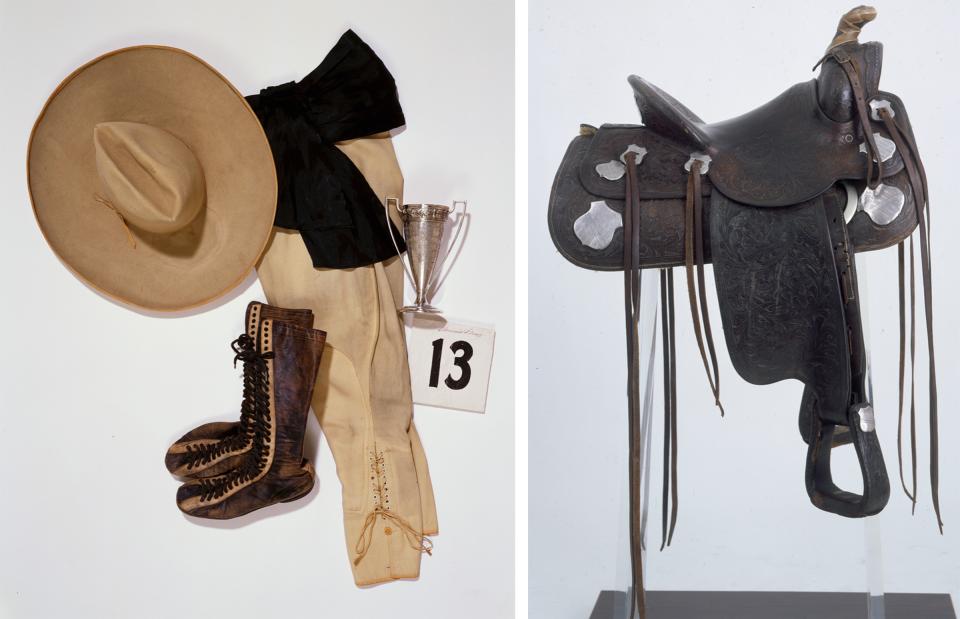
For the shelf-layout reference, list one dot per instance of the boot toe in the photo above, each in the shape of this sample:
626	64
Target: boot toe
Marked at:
177	459
189	491
189	501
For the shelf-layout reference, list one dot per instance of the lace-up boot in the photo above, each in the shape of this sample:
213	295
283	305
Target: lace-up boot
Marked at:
273	470
214	448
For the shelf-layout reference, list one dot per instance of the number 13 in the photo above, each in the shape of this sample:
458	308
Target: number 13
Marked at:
462	361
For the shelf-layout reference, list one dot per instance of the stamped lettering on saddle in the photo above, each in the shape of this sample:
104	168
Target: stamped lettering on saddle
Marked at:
779	200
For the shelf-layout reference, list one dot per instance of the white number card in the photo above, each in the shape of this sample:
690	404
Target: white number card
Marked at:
450	362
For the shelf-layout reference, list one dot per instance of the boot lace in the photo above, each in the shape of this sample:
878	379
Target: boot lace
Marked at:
245	350
257	401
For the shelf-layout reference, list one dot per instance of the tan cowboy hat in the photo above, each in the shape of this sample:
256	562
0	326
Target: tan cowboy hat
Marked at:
152	179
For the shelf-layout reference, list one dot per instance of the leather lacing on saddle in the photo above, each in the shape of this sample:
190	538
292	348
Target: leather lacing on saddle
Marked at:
693	257
244	348
631	298
696	286
918	183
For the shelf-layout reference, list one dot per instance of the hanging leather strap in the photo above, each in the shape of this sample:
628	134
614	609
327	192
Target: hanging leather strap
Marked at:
911	160
701	285
673	406
911	493
670	495
693	261
631	299
913	375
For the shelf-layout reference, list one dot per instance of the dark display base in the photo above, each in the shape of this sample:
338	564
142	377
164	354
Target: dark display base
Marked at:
765	605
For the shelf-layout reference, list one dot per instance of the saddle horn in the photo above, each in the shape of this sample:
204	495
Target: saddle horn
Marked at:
851	23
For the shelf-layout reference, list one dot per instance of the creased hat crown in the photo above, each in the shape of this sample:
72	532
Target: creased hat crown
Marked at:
148	175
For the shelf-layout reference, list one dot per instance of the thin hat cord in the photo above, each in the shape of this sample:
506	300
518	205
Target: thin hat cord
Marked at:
123	222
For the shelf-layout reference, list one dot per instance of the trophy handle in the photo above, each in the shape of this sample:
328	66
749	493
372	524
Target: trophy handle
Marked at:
396	205
390	226
453	241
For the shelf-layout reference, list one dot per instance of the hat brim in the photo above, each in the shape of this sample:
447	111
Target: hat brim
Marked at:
176	91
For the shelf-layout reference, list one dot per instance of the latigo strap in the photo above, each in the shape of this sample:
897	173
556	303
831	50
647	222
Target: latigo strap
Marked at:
669	406
693	235
631	298
918	184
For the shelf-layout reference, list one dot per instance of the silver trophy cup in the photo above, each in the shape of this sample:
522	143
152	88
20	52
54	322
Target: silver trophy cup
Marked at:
423	233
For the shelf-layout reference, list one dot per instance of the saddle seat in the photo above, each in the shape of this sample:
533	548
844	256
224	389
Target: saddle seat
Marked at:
784	152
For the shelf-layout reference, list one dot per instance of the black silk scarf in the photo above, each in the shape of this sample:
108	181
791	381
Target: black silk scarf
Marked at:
350	95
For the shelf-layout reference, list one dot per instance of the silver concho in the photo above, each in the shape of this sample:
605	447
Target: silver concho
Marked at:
611	170
867	421
882	204
876	105
886	147
596	227
614	170
633	148
702	158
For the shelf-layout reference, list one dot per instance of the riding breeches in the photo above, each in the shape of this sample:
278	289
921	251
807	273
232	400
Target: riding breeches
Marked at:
362	397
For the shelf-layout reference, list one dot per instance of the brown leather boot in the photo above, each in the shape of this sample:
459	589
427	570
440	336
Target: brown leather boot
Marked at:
273	470
215	448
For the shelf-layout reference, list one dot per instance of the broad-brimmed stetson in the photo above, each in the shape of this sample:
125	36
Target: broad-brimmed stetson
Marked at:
151	178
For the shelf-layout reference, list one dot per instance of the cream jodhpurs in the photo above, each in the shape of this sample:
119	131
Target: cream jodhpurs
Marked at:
362	397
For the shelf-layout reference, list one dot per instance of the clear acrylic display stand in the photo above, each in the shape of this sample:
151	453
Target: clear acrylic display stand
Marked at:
614	604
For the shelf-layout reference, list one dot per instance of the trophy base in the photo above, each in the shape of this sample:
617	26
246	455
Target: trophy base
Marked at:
420	309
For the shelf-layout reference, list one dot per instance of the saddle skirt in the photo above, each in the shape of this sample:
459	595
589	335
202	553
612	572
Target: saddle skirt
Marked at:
580	188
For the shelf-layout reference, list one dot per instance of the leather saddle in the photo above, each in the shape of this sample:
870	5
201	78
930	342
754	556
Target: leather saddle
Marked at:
780	200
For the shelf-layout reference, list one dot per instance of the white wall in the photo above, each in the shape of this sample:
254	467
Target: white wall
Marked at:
93	393
745	522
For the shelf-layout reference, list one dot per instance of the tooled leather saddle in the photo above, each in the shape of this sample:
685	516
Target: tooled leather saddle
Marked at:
779	200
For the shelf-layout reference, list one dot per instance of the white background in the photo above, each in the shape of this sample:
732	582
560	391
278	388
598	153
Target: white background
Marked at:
93	393
745	522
